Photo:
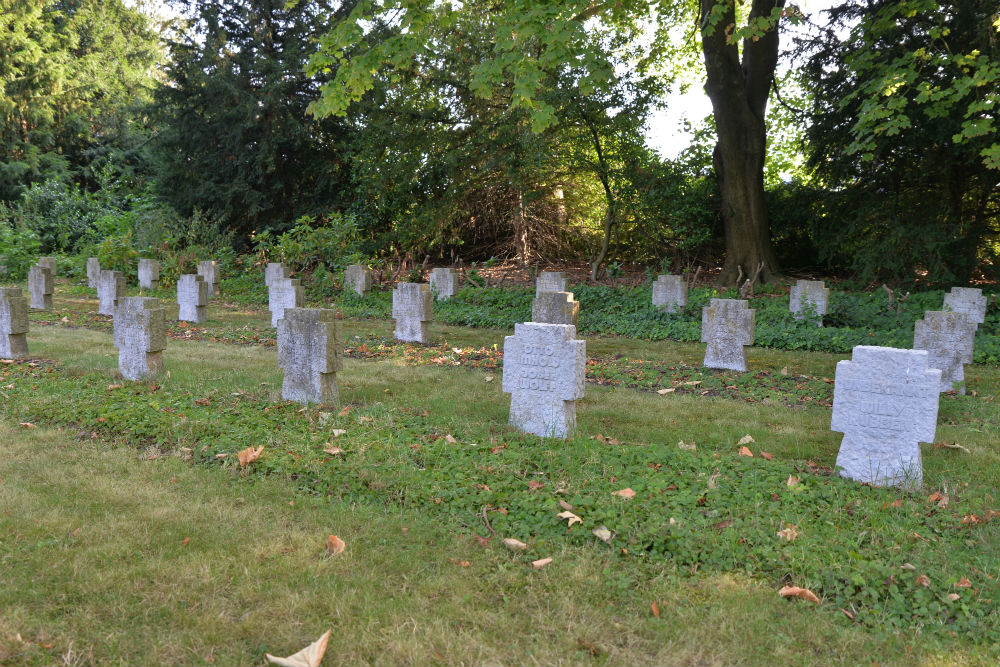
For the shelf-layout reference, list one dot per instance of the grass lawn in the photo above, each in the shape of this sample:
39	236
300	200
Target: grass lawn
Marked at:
129	533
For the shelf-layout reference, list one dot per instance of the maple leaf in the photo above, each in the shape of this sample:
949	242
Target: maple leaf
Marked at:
249	455
514	544
310	656
626	493
335	546
540	563
570	517
798	592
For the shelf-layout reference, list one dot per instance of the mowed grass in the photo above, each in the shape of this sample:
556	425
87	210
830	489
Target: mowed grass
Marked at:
253	576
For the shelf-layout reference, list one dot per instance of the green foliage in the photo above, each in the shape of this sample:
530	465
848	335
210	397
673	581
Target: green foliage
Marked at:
117	253
331	241
19	245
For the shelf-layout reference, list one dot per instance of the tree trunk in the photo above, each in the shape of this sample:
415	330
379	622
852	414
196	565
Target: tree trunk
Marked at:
739	93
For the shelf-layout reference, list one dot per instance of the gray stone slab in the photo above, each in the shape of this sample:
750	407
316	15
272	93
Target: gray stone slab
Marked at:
809	299
140	334
93	272
149	274
284	293
209	271
967	300
948	338
444	283
885	402
358	278
670	293
273	271
50	264
555	308
550	281
309	354
40	284
13	323
412	310
110	288
727	326
192	298
543	371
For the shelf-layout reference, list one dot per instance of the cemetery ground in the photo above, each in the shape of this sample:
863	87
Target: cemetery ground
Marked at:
130	532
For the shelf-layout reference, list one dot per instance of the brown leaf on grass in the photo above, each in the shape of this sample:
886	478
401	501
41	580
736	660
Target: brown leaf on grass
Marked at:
745	451
971	519
535	486
951	445
590	646
337	432
940	499
335	546
310	656
483	541
687	446
570	518
767	456
603	534
909	567
788	533
924	580
746	440
450	440
249	455
113	387
344	411
26	425
514	544
540	563
565	505
627	494
655	609
203	401
953	597
963	583
186	541
333	451
798	592
664	392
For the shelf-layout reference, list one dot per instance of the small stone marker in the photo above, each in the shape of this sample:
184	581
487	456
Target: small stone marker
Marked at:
444	283
209	271
885	402
411	308
309	354
149	274
284	293
727	326
555	308
93	272
140	336
192	298
110	288
273	271
550	281
543	371
359	278
40	287
807	295
967	300
49	263
670	293
948	338
13	323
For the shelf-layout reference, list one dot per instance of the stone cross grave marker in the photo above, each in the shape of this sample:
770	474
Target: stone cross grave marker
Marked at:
444	283
110	288
273	271
13	323
727	326
149	274
550	281
359	278
555	308
885	402
284	293
412	310
948	338
543	371
49	263
809	295
140	334
209	271
967	300
309	355
93	272
40	287
192	298
670	293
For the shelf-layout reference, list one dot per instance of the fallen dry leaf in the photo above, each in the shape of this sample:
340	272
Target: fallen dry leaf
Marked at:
333	450
798	592
924	580
203	401
746	440
335	546
483	541
952	445
788	533
535	486
344	411
767	456
792	481
450	440
337	432
953	597
963	583
514	544
186	541
602	533
26	425
565	505
909	567
688	446
540	563
310	656
626	493
664	392
655	609
570	517
745	451
940	499
112	387
249	455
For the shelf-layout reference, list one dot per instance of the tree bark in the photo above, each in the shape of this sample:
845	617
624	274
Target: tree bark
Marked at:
739	92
